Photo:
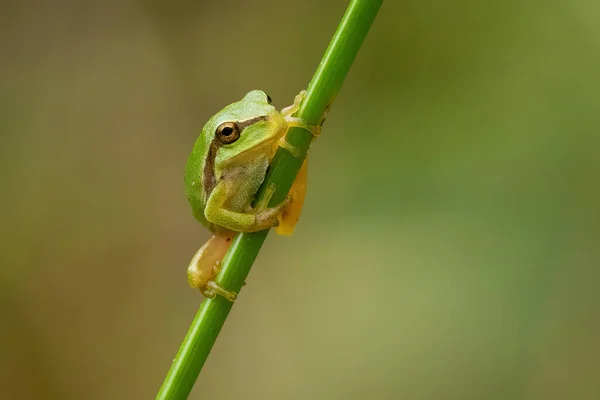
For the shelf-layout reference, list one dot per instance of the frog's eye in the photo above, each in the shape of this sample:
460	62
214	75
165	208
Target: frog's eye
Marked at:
269	100
228	132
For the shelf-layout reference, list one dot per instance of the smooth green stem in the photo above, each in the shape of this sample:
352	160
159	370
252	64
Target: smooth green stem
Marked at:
321	92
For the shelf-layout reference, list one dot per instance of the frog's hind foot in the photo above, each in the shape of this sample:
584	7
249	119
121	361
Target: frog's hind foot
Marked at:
211	290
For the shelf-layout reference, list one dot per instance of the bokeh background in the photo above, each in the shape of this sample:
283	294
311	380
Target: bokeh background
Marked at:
449	245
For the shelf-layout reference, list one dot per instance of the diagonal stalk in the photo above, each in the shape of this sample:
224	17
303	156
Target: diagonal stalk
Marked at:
321	92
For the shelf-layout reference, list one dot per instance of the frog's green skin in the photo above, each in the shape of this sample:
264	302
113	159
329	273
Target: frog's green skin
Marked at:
221	179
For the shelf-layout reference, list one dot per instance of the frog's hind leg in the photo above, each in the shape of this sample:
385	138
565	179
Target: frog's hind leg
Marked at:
206	264
291	211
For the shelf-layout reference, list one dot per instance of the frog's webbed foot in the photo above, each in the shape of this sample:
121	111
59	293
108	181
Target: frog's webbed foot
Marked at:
205	266
297	122
265	215
211	290
290	110
294	150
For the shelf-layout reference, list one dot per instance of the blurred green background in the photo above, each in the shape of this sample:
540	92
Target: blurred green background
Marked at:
449	244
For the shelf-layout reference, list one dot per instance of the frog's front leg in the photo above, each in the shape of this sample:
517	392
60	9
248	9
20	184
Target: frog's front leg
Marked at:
290	110
287	113
249	220
206	264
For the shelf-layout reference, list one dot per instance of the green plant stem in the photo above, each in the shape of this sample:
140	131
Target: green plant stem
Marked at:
321	92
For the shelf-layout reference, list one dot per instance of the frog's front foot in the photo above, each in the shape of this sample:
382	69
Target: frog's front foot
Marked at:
300	123
266	217
294	150
269	217
297	122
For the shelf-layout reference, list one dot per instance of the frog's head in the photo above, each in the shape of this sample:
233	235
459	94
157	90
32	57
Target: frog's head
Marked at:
243	128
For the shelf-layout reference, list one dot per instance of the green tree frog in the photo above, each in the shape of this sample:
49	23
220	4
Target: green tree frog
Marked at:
224	171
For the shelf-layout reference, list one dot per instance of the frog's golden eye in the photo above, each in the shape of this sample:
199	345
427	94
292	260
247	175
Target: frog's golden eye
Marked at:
228	132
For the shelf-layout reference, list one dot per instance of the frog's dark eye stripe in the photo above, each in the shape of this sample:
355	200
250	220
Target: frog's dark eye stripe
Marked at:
269	100
228	132
244	124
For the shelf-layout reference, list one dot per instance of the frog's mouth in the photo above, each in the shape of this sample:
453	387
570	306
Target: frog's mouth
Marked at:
266	146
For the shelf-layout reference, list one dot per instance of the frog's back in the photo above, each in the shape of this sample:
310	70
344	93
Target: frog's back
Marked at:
194	188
